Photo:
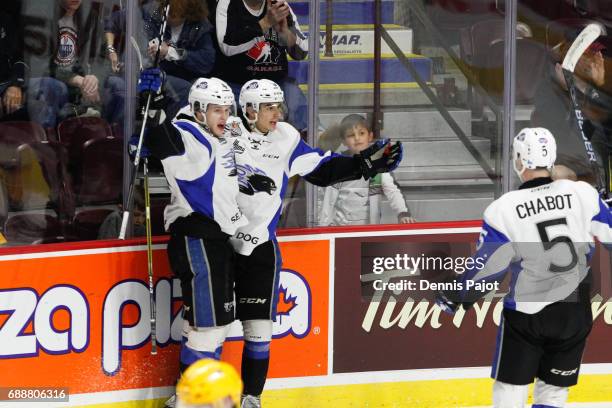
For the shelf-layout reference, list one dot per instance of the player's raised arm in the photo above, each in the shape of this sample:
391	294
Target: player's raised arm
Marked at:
323	169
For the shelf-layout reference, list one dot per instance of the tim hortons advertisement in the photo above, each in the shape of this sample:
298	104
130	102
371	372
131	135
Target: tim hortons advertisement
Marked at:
385	317
80	319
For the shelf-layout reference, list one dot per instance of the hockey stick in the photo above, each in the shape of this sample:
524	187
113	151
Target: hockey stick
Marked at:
130	200
578	47
147	197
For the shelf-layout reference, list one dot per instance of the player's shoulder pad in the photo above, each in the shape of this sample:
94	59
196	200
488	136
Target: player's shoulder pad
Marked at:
494	213
584	188
287	130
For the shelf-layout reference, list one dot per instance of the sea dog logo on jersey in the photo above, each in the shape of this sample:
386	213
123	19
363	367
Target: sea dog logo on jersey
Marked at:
252	180
257	183
293	308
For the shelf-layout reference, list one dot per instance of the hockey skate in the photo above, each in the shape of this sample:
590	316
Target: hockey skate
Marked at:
250	401
170	402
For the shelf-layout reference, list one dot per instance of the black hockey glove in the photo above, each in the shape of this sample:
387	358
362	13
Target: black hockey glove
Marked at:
381	157
133	147
447	305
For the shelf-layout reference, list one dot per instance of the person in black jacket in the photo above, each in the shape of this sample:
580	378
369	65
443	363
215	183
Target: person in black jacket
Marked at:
187	50
255	37
12	68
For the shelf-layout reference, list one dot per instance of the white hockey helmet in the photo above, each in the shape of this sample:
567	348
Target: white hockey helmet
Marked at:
535	148
257	91
205	91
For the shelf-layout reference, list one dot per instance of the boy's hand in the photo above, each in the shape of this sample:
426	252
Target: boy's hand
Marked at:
381	157
405	218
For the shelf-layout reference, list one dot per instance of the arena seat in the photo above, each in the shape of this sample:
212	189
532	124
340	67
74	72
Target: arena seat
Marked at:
531	58
74	132
86	223
99	176
604	10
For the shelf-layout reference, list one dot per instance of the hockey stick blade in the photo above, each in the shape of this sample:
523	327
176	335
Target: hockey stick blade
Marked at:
580	45
137	49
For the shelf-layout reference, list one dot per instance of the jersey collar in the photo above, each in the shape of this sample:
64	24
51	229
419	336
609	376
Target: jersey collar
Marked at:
536	182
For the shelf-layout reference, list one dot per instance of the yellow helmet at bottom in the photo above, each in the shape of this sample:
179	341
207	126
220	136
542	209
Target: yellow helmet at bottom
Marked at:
209	383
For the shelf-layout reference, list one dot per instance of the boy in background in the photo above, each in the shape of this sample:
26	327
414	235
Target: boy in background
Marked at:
358	202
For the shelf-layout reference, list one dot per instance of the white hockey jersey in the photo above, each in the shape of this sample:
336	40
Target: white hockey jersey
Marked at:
203	178
264	164
543	234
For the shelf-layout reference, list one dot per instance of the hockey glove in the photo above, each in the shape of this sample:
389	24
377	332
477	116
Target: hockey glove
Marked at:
133	146
447	305
381	157
151	81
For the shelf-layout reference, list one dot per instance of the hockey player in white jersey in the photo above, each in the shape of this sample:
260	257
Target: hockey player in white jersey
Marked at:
269	153
197	155
543	234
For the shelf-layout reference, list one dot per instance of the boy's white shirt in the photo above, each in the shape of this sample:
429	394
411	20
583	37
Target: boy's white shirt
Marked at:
335	212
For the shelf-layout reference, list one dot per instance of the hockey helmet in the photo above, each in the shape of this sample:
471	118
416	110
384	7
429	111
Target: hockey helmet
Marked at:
209	383
205	91
535	148
258	91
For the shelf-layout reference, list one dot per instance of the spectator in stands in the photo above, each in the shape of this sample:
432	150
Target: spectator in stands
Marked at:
187	51
12	69
552	104
37	99
69	66
358	202
255	37
114	34
111	226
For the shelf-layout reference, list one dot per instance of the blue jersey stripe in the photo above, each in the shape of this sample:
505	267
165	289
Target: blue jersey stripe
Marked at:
198	192
195	132
301	149
604	215
490	240
278	265
274	221
202	291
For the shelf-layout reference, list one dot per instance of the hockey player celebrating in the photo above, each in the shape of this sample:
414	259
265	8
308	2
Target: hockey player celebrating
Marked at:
209	383
270	152
198	160
544	234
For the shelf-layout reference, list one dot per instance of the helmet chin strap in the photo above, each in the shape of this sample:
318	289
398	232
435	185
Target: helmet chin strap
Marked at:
518	172
201	122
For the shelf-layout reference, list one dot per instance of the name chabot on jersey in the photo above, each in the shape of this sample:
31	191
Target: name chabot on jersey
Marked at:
546	203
